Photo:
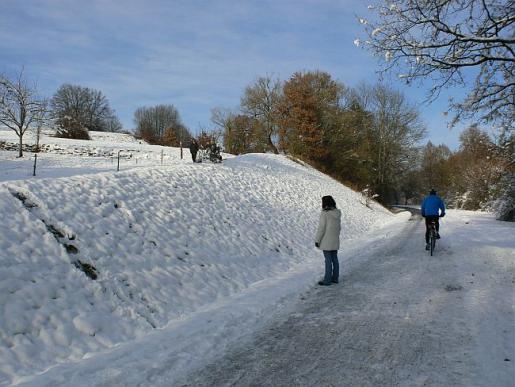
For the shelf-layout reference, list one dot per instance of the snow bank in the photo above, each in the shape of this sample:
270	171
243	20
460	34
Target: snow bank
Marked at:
165	242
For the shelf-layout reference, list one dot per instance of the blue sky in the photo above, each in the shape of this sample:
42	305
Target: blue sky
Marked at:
196	55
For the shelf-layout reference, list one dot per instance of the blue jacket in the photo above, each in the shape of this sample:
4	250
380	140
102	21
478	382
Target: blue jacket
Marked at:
431	205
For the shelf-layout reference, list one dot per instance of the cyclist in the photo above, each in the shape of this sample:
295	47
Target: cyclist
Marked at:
432	209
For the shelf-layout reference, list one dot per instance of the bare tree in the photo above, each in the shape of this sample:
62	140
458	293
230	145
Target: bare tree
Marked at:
435	171
112	123
160	124
221	117
83	107
42	119
20	106
261	102
395	130
241	133
447	41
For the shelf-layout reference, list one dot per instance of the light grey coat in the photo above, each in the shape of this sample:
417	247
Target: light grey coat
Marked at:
328	233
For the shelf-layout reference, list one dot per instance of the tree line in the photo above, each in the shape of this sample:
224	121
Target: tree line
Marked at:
365	136
74	111
472	177
369	137
469	44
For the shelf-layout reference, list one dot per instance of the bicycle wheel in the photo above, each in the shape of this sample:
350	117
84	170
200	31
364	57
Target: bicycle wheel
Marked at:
432	241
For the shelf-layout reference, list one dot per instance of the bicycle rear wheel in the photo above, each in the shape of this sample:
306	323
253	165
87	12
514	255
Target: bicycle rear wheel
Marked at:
432	241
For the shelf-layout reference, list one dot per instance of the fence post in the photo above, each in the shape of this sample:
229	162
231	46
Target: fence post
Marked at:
161	156
180	143
118	166
35	162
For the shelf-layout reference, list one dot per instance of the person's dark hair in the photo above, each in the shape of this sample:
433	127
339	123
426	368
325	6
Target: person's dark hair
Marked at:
328	203
432	192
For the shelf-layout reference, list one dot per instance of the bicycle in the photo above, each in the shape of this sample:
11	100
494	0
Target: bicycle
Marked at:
432	237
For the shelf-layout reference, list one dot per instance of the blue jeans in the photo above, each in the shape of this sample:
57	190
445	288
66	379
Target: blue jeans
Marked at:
332	267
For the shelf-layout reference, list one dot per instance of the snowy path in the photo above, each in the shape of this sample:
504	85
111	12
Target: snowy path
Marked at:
400	318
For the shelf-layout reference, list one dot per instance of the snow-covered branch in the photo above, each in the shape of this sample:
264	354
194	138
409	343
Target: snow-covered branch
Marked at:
441	38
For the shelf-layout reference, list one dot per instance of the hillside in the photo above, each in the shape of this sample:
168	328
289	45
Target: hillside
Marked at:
164	242
60	157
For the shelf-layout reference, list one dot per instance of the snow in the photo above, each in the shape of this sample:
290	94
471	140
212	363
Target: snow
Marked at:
64	157
377	31
194	259
487	274
400	317
388	56
167	241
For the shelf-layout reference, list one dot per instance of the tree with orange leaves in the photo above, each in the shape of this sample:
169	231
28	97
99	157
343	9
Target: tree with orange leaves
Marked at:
308	109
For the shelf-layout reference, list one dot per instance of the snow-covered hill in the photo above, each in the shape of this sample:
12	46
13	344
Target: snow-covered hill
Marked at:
61	157
163	242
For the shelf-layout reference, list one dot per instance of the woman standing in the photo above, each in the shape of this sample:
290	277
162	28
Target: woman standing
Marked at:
328	239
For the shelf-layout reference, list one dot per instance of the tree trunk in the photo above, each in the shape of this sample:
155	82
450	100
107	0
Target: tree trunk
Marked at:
20	149
271	145
38	135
